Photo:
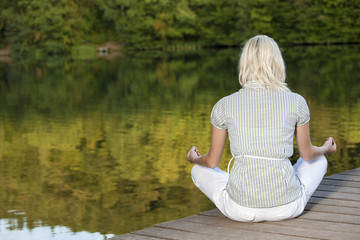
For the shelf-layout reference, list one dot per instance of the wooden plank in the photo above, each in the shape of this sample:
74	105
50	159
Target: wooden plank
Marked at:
334	182
167	233
337	195
332	209
333	188
213	213
355	172
291	231
227	229
331	217
130	236
320	225
334	202
344	177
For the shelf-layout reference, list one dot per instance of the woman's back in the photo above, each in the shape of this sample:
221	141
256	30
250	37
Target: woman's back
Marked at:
261	122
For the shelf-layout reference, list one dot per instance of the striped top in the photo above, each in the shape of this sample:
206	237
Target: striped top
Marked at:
261	123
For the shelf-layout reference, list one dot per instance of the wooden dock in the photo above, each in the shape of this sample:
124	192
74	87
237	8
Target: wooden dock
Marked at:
333	212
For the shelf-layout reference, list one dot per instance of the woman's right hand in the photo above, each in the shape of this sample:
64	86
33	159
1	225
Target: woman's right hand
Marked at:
330	145
193	154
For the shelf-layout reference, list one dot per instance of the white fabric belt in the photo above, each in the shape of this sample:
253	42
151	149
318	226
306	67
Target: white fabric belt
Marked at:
250	156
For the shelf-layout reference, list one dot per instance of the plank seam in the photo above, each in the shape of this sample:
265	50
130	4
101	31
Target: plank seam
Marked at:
219	216
152	236
309	218
338	198
344	180
323	211
338	185
334	204
329	221
332	191
349	174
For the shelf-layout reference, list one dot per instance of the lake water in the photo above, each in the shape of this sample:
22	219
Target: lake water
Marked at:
92	148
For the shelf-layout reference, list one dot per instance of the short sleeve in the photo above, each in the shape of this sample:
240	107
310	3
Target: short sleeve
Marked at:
303	112
218	115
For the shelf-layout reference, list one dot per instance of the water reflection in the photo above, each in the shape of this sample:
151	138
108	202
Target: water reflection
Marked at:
17	229
100	146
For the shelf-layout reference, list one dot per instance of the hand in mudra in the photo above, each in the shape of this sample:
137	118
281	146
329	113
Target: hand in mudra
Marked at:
193	154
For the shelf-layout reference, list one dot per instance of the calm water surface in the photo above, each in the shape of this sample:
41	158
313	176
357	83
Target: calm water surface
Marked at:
94	148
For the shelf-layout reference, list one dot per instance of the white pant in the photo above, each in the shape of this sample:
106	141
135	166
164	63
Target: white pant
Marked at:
212	182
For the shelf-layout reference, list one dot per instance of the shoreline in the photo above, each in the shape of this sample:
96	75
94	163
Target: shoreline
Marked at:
110	47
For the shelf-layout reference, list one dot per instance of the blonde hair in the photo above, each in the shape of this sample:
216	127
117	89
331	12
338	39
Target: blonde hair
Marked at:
261	61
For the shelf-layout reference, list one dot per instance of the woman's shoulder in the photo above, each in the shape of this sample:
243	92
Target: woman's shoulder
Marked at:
229	97
294	95
298	100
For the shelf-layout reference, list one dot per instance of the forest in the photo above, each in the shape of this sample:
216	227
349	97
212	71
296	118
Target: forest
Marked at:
60	26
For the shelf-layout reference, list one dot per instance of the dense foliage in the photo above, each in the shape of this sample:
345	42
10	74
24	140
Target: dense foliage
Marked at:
56	25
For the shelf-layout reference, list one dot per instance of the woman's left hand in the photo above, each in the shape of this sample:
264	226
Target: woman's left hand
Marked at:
193	154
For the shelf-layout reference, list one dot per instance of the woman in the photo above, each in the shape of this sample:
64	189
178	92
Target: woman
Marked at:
261	120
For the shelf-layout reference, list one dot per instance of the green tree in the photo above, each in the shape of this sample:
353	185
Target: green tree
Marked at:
50	26
307	21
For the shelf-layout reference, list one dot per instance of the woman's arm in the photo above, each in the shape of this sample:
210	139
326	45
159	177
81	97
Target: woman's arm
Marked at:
306	149
213	157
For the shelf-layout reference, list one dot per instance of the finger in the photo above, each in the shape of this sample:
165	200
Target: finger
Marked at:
197	152
331	140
